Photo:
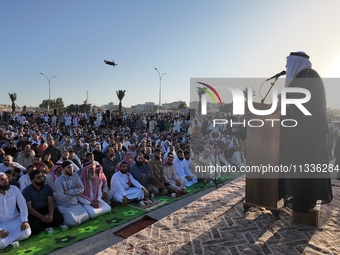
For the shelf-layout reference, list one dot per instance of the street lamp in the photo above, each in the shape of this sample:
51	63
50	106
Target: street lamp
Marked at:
160	89
49	91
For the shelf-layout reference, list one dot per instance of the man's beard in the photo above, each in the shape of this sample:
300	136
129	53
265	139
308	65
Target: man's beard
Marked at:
180	158
69	173
169	163
157	157
5	187
139	163
91	176
40	183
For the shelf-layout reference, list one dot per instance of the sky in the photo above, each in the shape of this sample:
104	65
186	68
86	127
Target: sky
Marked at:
184	39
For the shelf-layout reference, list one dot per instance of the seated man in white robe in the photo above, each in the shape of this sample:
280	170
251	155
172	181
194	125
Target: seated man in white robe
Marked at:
25	180
13	225
183	170
90	199
68	187
238	159
121	186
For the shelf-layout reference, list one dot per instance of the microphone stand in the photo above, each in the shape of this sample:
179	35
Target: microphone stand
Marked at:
272	84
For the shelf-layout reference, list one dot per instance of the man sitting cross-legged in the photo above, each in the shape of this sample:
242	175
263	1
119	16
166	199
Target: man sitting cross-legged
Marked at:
13	224
40	204
68	187
172	181
157	176
121	186
91	197
141	172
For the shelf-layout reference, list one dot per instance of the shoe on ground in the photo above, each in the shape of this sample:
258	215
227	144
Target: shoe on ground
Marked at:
148	202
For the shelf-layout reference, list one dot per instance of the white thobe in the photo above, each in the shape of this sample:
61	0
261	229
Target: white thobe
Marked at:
238	159
121	187
10	218
94	212
183	170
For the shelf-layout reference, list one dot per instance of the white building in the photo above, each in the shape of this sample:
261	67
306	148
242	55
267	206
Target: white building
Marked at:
147	107
172	106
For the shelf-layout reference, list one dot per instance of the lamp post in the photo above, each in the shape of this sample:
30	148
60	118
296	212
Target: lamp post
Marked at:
160	89
49	91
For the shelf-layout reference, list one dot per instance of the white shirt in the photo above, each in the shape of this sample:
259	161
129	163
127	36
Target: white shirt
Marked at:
24	181
181	167
119	183
238	159
8	202
4	168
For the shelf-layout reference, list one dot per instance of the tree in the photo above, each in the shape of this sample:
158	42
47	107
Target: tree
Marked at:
85	107
120	95
182	105
200	92
13	97
24	109
245	93
227	108
57	104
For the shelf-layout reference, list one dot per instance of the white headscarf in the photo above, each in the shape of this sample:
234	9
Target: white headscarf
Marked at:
296	62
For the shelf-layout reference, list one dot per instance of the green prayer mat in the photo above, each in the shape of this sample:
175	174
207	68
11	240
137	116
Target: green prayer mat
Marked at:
44	243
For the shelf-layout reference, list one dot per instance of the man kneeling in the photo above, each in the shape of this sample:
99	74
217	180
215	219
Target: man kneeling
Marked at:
91	197
121	186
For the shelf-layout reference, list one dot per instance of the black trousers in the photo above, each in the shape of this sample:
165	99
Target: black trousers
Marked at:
37	225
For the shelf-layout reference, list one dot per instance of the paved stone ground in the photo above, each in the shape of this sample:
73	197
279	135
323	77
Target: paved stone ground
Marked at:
216	224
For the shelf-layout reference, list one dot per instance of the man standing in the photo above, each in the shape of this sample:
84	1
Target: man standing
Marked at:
68	187
13	225
40	204
306	143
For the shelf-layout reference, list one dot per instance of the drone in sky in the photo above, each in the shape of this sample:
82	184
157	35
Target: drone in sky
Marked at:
110	63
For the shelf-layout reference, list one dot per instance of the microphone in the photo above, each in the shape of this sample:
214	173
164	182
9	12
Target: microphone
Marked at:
276	75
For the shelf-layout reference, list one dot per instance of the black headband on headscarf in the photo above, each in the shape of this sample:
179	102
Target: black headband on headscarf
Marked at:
299	54
66	163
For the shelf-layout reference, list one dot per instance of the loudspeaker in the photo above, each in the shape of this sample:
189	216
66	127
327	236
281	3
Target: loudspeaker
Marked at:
55	112
192	113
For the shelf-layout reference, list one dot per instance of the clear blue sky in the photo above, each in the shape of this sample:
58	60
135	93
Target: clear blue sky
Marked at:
184	39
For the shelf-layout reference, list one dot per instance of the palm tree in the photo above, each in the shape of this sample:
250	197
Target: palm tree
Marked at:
245	93
13	97
200	92
120	95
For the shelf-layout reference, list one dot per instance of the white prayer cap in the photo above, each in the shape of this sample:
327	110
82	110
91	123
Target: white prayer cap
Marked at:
1	174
